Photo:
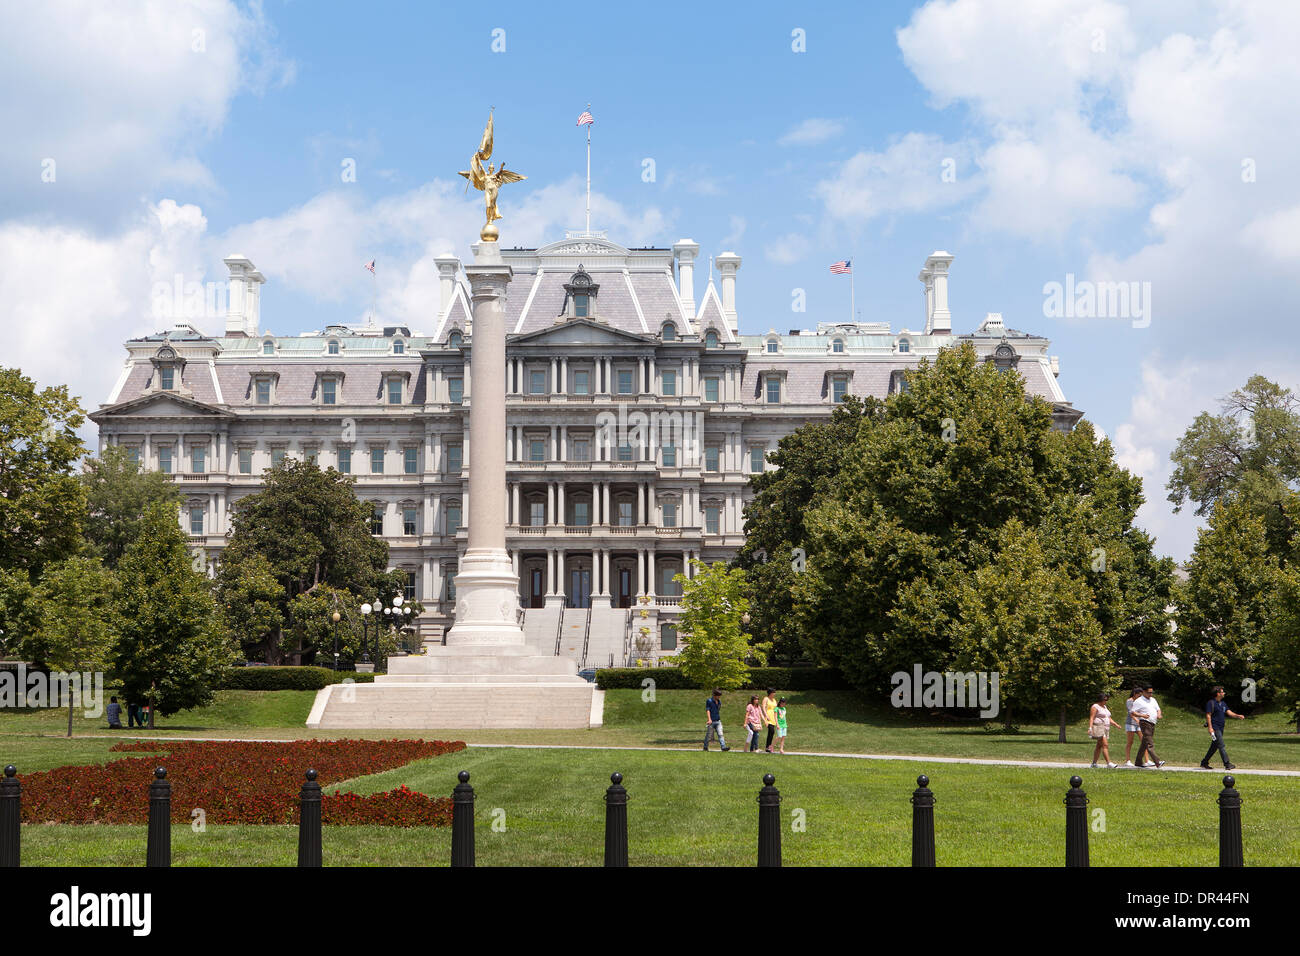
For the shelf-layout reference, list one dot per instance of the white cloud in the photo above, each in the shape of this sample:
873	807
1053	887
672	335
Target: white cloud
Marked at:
119	99
787	250
907	177
811	132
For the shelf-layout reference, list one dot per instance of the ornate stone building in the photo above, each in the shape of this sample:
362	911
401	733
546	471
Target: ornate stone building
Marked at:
636	412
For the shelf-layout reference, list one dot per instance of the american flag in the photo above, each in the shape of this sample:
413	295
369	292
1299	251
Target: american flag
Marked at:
586	119
842	268
371	265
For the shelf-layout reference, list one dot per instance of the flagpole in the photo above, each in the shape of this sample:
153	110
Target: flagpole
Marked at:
589	125
853	296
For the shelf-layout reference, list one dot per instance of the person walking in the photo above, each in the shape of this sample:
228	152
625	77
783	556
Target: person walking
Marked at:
1130	725
753	724
1099	724
133	714
769	716
713	720
1215	712
1147	711
780	724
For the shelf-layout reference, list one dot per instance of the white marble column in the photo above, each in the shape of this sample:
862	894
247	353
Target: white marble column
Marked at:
487	586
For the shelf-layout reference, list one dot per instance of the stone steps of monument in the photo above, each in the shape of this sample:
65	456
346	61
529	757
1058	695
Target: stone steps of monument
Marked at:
458	706
573	632
540	624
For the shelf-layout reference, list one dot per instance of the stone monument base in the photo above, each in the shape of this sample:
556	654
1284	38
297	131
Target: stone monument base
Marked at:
464	688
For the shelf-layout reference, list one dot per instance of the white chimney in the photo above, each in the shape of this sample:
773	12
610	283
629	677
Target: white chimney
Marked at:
727	264
244	306
935	277
685	251
448	266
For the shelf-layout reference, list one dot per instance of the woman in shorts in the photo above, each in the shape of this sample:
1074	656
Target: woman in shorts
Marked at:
1099	724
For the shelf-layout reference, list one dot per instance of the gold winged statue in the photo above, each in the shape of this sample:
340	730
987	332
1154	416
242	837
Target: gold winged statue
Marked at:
488	180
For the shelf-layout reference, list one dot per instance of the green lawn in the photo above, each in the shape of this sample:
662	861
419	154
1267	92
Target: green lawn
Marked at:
699	809
825	721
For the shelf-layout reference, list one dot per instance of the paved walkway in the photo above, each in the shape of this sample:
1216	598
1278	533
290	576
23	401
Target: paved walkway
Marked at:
915	758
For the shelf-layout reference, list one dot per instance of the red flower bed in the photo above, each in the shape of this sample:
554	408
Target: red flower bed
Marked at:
239	782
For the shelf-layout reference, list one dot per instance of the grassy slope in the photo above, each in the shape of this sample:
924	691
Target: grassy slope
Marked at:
699	809
831	721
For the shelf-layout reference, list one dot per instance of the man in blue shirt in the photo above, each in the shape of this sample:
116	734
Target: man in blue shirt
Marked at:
1215	712
713	720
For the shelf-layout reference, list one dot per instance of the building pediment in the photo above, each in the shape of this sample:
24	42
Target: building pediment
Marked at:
579	332
159	405
582	246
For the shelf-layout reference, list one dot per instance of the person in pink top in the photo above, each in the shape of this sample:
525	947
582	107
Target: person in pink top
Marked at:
753	723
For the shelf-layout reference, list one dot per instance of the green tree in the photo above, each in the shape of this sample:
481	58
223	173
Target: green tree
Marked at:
76	630
808	461
1281	643
1225	604
251	602
310	529
919	502
171	650
1249	450
716	649
1034	626
118	492
41	501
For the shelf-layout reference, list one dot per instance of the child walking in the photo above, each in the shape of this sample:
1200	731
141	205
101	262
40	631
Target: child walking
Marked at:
753	723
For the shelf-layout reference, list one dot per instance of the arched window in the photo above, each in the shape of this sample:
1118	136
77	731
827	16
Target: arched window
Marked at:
333	347
268	347
399	347
773	346
455	340
669	332
904	345
710	339
837	345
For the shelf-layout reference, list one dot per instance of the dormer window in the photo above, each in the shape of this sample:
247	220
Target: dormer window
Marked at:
773	345
1004	357
455	340
333	347
579	296
837	346
268	347
399	347
904	345
669	332
169	367
710	339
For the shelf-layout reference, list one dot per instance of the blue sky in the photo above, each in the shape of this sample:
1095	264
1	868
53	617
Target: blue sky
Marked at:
1149	143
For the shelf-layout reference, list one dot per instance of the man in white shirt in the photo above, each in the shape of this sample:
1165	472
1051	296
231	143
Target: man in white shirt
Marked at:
1147	711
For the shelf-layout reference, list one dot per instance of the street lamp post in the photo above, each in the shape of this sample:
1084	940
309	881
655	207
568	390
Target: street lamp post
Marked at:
365	644
335	617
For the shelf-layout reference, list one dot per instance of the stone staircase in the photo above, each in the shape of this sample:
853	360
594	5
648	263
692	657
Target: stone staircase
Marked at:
608	629
573	633
540	627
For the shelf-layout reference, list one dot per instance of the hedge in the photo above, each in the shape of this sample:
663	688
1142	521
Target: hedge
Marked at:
671	678
287	678
1130	677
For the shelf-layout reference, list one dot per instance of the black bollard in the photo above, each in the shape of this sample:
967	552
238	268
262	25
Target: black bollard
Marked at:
309	842
462	822
1230	849
922	823
616	822
11	806
1076	824
769	823
159	850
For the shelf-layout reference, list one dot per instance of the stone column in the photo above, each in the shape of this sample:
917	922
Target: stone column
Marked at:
486	587
560	515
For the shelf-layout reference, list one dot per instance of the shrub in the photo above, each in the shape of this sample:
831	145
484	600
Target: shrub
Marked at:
670	678
288	678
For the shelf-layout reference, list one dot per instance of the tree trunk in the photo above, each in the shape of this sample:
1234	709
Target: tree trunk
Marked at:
1061	736
1006	720
70	714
